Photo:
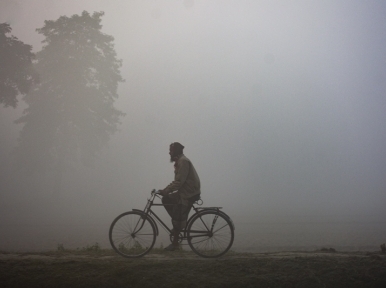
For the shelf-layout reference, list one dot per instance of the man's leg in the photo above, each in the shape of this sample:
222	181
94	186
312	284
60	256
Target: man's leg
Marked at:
179	218
168	203
171	206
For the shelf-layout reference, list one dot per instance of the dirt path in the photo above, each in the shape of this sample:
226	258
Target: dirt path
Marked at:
181	269
179	256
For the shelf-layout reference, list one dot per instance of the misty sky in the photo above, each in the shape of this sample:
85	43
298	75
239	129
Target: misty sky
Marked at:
280	104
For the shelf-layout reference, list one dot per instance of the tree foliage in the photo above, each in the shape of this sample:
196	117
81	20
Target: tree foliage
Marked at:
70	115
16	73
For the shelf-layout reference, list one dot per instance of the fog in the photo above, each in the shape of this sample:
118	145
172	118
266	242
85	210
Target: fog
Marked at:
280	106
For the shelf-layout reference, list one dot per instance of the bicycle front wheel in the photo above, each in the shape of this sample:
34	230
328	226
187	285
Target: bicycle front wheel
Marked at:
132	234
210	234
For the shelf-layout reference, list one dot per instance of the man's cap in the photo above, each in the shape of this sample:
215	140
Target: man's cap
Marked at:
177	145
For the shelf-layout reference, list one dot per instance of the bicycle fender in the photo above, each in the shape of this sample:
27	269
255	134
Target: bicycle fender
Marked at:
148	217
213	209
229	218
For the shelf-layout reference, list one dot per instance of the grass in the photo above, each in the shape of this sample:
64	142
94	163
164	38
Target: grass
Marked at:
181	270
96	251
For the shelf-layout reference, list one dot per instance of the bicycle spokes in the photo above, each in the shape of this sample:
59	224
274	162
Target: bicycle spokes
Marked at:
213	241
132	234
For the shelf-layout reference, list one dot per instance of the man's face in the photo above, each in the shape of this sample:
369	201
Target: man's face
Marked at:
172	154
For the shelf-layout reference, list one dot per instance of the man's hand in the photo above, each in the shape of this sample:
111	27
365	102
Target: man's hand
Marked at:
163	192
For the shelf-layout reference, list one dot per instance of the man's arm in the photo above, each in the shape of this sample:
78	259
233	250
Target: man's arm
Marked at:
179	178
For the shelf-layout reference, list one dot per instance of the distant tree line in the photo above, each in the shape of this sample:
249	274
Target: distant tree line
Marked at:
70	87
16	69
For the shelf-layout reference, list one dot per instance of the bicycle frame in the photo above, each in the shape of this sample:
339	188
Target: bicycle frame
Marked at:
155	218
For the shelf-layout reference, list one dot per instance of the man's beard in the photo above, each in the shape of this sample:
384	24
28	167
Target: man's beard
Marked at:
173	157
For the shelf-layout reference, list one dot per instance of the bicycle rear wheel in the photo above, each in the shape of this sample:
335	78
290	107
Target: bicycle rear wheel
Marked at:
132	234
210	234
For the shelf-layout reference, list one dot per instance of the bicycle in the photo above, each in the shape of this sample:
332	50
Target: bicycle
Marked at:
209	231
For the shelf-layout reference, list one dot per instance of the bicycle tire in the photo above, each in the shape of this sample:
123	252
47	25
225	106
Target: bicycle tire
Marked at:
132	234
210	234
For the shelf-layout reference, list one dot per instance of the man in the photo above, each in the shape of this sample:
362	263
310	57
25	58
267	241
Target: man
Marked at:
186	188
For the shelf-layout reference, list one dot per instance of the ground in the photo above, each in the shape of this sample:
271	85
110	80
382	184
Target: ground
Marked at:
103	268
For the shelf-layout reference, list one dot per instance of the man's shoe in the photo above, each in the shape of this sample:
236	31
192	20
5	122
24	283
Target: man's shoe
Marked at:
171	247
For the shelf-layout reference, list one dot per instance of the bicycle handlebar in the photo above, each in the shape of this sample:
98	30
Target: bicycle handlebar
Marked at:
155	191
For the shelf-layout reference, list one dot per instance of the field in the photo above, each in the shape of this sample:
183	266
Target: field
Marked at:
103	268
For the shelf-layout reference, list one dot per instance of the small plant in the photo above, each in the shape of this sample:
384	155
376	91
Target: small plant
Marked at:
60	248
92	248
122	248
137	246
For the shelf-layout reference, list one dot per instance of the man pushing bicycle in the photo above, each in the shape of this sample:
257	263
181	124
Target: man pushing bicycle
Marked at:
179	195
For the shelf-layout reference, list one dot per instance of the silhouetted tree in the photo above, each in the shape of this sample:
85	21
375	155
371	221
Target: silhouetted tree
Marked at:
16	73
71	116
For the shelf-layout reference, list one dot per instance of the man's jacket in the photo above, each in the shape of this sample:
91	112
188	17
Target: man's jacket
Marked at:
186	181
